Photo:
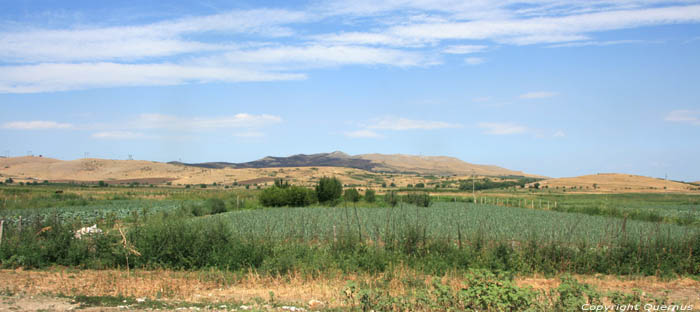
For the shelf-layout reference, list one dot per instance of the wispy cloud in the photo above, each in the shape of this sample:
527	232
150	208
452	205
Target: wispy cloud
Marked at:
559	134
398	123
599	43
498	128
362	134
36	125
474	60
119	135
537	95
684	116
322	56
62	77
169	37
464	49
283	44
242	120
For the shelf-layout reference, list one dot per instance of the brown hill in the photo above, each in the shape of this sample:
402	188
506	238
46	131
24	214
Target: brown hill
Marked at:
29	169
436	165
617	183
395	163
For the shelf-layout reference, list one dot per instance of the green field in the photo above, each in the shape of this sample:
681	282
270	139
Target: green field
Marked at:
483	245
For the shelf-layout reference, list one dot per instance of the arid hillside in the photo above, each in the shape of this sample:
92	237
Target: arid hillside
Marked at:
389	163
437	165
91	170
617	183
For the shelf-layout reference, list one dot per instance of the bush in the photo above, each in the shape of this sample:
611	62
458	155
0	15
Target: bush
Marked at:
418	199
352	195
370	196
215	205
391	198
293	196
328	189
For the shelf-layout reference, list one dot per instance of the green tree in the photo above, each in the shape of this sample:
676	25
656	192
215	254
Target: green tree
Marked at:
391	198
370	196
329	189
281	183
352	195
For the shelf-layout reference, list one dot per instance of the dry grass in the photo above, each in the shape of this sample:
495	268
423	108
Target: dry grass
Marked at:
618	183
217	286
27	169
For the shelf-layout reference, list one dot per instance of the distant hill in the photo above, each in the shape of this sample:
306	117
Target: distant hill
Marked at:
617	182
395	163
335	159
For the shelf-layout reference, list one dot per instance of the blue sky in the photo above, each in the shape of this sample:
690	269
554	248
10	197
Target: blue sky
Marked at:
558	88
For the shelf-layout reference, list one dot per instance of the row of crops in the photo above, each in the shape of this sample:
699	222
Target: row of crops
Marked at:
92	212
448	221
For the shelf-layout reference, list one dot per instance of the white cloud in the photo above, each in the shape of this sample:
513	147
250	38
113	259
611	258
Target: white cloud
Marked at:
474	60
64	76
165	38
394	123
526	30
322	56
364	38
119	135
242	120
36	125
684	116
497	128
599	43
247	46
464	49
559	134
537	95
362	134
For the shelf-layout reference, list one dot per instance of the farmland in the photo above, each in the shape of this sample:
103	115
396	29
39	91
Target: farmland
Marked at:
516	232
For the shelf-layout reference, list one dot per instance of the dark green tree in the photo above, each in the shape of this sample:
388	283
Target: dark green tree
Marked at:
329	189
370	196
352	195
391	198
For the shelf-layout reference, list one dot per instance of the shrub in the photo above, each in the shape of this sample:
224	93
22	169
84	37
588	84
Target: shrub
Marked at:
294	196
215	205
418	199
370	196
352	195
391	198
328	189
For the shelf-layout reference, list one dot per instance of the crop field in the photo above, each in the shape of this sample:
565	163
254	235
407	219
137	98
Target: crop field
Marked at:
447	221
399	249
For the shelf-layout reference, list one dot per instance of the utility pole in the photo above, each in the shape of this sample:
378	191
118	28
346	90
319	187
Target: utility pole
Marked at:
473	188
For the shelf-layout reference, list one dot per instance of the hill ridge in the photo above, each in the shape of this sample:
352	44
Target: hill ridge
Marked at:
393	163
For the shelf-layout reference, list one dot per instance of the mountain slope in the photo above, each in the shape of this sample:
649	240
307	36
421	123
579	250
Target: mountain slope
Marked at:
395	163
617	182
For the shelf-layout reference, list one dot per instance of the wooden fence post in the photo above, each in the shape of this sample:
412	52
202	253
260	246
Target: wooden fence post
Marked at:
2	222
